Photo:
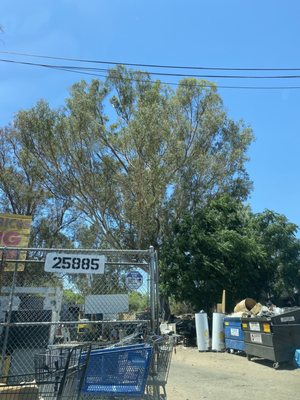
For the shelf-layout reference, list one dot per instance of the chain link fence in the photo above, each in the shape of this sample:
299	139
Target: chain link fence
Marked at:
53	298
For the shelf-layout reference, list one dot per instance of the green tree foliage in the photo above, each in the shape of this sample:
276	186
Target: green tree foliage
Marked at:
130	154
137	302
282	249
72	297
211	250
20	190
224	246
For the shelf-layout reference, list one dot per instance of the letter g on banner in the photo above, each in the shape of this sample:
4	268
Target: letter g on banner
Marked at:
10	238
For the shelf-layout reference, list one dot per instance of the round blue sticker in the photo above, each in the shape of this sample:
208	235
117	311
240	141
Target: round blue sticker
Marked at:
134	280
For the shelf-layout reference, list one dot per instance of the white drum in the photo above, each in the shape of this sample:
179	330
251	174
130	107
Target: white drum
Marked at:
202	332
218	336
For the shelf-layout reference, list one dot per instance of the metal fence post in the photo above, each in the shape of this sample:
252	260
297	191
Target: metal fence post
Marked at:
152	289
9	313
157	289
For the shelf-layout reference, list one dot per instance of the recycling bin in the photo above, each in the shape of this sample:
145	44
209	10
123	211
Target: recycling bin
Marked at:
234	334
273	338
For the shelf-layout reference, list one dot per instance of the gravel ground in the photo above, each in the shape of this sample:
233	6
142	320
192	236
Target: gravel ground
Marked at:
198	375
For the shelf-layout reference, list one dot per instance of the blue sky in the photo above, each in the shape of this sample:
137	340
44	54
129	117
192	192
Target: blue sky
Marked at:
215	33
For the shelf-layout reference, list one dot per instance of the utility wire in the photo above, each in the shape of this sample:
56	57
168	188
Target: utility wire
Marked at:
83	71
70	67
149	65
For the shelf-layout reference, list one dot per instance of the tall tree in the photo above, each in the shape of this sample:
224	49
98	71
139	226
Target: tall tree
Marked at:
20	192
216	248
223	245
131	154
282	248
23	191
213	147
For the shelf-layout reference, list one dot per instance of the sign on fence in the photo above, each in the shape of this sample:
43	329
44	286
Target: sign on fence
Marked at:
75	263
134	280
14	232
106	303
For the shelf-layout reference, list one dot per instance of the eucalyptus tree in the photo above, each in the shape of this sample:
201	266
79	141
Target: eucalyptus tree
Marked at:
22	191
131	154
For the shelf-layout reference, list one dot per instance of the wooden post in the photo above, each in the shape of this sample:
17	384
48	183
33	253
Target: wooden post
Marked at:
223	301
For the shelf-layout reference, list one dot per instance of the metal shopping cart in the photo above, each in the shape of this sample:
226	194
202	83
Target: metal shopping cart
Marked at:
117	372
57	376
160	366
158	370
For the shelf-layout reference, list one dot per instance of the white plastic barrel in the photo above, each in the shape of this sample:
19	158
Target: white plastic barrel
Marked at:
218	337
202	332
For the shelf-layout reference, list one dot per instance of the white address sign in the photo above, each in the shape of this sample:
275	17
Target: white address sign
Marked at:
75	263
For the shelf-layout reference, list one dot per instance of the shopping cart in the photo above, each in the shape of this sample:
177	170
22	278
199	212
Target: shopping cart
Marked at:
157	372
118	372
160	366
57	376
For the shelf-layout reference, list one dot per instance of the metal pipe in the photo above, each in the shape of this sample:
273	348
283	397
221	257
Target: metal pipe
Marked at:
28	261
49	323
95	251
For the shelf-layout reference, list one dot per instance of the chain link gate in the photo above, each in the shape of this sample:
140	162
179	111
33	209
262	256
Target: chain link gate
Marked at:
53	297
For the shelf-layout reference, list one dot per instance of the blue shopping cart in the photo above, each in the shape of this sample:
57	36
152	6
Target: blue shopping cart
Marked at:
118	371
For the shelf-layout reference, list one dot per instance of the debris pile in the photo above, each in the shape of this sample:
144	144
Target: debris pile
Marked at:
250	308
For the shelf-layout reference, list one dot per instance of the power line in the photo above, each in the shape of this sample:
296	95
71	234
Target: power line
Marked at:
83	71
149	65
80	68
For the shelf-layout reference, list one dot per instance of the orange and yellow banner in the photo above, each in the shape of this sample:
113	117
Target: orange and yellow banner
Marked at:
14	232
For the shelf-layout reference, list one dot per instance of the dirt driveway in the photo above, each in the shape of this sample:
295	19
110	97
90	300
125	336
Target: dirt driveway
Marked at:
198	375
